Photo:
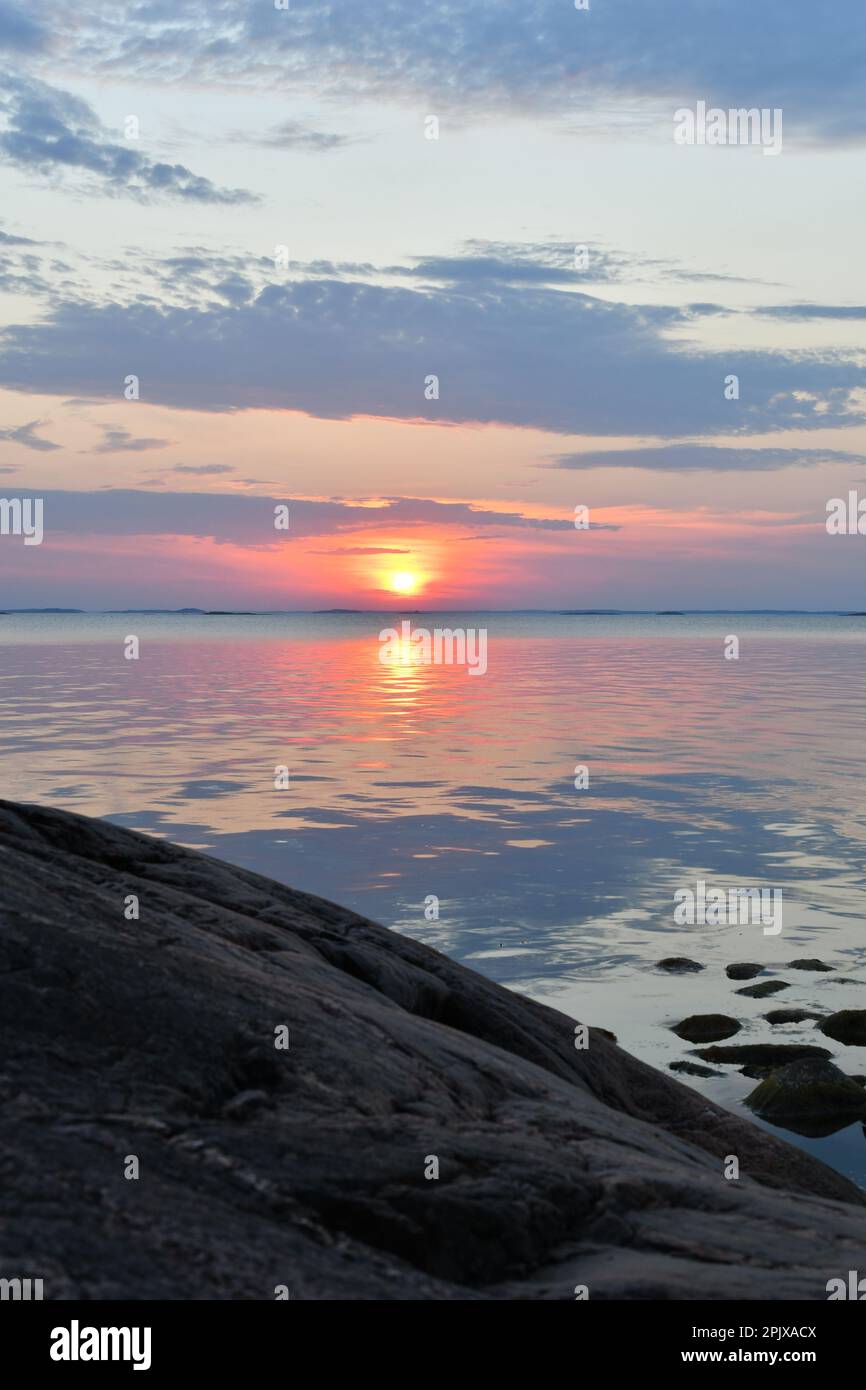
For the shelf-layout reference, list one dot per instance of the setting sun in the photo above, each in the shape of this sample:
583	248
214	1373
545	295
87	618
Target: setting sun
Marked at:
404	582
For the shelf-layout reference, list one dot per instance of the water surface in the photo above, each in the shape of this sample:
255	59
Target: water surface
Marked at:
409	781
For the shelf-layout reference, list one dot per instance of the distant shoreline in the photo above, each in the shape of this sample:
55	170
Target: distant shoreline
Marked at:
387	612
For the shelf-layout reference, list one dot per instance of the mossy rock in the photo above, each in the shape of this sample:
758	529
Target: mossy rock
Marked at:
706	1027
743	970
810	963
847	1026
679	965
763	989
762	1054
810	1096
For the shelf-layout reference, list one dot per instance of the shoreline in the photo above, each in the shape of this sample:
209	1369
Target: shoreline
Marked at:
310	1165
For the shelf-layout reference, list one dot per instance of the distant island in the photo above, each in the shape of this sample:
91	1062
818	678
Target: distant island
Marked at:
497	612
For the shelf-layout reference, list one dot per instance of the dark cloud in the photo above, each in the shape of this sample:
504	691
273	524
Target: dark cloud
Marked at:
19	31
682	458
202	469
853	312
535	357
235	519
549	263
513	57
118	441
24	434
49	130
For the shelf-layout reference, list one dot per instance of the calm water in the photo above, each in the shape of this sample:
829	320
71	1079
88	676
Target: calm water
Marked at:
408	781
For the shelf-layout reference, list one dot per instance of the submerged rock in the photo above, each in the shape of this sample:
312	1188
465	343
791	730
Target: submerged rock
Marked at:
745	970
762	1054
808	964
693	1069
706	1027
791	1015
846	1026
160	1037
679	965
765	988
810	1096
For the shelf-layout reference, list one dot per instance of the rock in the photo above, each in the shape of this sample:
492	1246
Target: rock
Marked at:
679	965
846	1026
706	1027
694	1069
557	1165
762	990
810	1096
790	1015
746	970
762	1054
812	964
245	1104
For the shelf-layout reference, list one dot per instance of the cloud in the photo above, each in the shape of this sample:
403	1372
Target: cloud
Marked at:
202	468
624	62
362	550
48	130
118	441
549	263
233	518
6	239
683	458
19	32
28	268
814	311
534	357
24	434
293	135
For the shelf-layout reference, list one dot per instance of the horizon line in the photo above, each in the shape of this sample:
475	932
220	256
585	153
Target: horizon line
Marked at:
397	612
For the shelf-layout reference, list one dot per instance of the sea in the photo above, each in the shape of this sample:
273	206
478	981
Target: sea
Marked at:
539	821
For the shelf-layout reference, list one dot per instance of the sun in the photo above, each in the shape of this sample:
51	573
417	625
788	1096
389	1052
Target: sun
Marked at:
403	582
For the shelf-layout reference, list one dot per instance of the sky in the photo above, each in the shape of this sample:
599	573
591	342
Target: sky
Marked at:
432	277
